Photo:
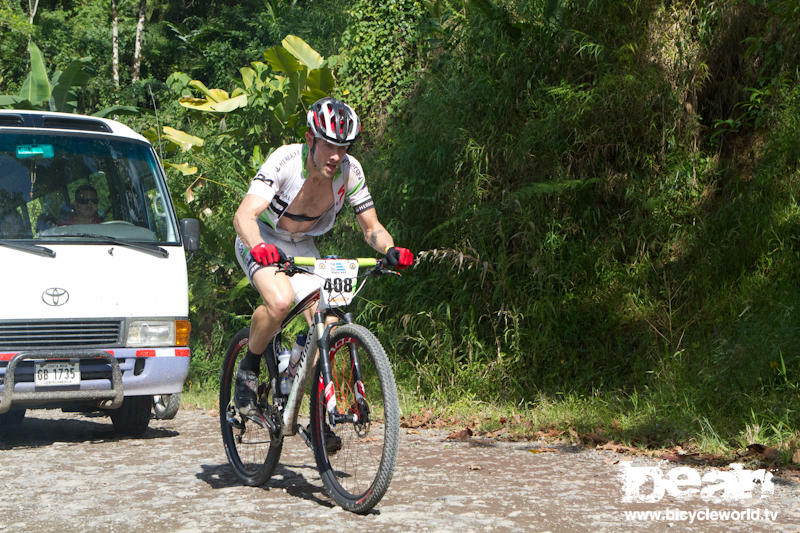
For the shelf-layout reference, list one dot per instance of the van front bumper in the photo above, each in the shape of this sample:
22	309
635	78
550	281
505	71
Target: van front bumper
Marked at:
106	376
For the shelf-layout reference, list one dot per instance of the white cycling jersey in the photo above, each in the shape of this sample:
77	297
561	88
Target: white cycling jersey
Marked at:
282	175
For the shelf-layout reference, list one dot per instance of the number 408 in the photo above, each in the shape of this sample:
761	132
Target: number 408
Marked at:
338	285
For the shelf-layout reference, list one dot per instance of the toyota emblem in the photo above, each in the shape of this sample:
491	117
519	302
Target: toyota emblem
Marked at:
55	296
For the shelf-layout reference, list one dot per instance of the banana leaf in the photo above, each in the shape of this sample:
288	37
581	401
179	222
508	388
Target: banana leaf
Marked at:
303	52
36	88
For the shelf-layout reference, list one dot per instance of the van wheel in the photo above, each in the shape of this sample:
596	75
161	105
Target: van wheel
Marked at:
133	417
12	417
165	406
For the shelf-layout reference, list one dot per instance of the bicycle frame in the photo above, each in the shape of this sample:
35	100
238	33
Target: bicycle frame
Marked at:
317	338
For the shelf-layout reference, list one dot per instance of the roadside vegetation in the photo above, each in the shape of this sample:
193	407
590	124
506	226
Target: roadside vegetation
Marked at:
603	195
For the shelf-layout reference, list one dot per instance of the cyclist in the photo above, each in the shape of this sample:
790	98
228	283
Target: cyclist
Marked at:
295	196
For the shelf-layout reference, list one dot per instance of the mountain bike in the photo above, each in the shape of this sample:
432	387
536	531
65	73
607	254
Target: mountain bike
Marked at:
353	396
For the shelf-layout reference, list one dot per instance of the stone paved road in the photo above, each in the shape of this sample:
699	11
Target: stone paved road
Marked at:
68	472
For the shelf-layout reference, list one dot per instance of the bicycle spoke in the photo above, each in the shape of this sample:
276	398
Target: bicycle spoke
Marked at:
357	475
252	451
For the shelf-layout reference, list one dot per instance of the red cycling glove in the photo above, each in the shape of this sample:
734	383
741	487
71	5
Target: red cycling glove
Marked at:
267	254
399	257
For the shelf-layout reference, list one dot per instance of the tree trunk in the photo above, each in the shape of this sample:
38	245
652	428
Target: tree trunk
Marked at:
137	51
115	43
32	7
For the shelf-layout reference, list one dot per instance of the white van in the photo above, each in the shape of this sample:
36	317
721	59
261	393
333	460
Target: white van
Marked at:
94	312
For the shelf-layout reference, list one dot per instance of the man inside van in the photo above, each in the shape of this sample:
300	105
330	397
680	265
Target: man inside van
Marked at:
84	208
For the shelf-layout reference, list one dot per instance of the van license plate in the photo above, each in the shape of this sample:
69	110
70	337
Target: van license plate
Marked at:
56	373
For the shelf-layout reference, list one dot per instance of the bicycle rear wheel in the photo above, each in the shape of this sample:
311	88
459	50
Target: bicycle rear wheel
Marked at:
358	474
252	451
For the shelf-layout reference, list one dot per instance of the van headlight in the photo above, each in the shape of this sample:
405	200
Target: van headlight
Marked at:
155	332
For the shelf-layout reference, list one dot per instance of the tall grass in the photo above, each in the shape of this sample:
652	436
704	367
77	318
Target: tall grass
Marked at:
583	229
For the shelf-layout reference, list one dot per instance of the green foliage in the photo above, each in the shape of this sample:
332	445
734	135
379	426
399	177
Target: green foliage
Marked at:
16	32
36	87
213	41
61	94
381	54
267	107
580	229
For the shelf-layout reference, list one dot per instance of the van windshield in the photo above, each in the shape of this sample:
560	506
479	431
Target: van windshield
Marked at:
56	186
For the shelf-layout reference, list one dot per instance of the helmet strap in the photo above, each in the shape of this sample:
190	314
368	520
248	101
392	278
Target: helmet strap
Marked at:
313	150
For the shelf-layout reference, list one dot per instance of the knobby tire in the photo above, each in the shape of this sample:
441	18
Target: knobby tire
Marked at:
252	452
357	475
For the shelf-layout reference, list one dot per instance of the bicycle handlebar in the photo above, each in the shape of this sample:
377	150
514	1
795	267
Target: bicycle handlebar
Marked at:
294	265
310	261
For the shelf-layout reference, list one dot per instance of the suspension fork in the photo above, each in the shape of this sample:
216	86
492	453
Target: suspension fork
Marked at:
360	411
355	364
327	386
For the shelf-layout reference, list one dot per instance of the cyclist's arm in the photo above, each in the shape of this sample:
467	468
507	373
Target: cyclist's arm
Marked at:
246	219
374	232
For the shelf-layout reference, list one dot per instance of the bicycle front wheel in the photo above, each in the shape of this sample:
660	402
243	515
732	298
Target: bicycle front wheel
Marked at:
252	451
356	459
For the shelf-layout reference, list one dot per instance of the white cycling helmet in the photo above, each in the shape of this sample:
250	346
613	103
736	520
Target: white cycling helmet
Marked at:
334	121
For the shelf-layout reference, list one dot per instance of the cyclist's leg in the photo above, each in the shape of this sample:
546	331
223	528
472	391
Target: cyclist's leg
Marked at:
277	290
279	293
277	296
278	299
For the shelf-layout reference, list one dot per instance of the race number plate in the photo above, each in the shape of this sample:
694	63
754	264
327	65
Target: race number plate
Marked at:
338	280
52	373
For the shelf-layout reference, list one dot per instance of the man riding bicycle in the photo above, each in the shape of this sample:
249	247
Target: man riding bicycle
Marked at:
295	196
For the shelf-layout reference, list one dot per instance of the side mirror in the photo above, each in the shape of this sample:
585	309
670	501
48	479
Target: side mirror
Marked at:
190	231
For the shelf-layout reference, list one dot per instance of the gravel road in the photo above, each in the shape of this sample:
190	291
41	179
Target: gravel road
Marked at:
68	472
